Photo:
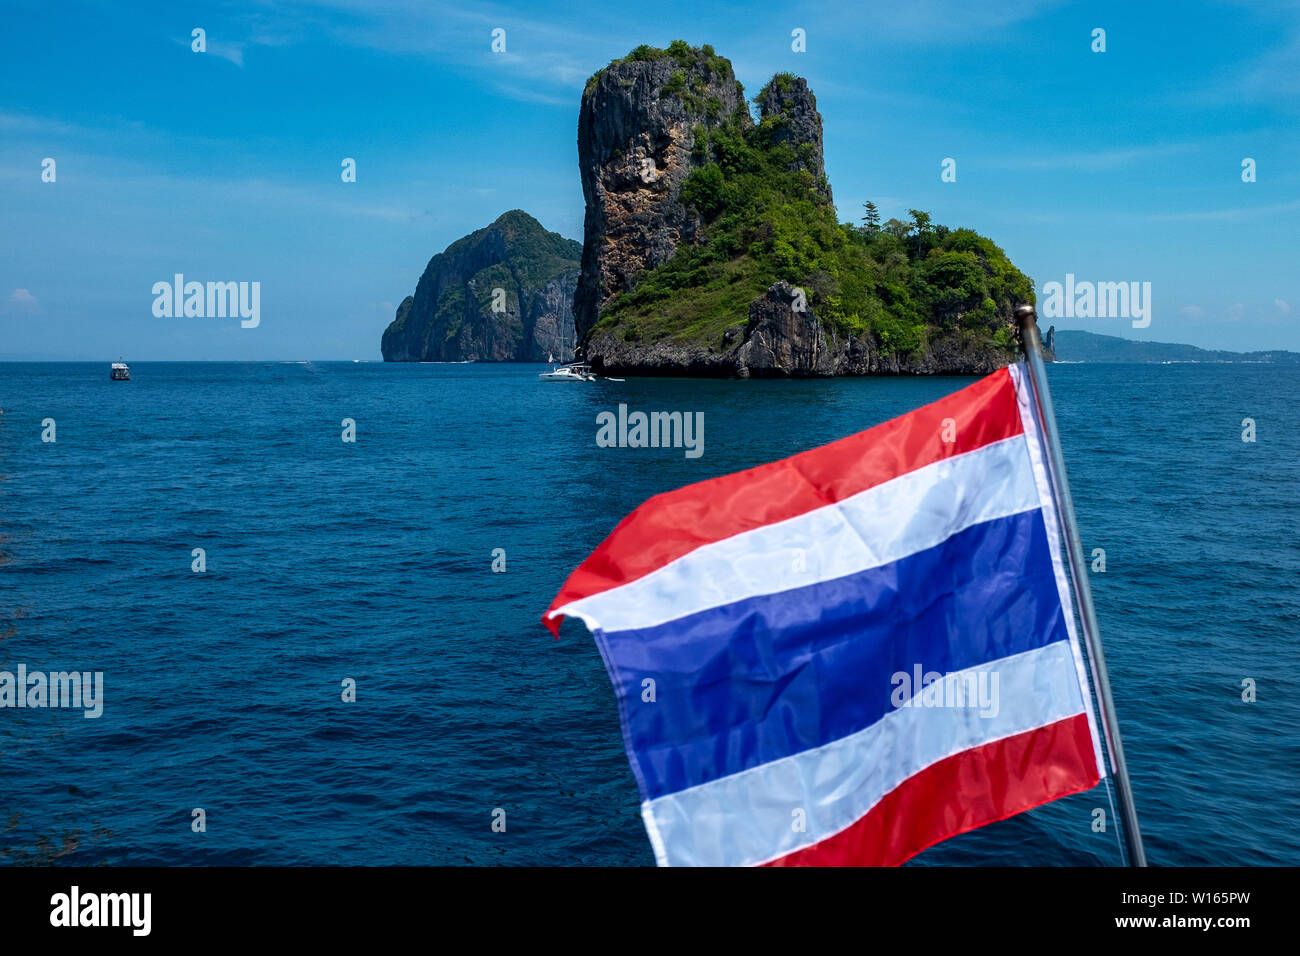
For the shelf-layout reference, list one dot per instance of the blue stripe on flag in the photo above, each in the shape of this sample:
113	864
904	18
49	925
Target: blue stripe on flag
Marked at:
772	676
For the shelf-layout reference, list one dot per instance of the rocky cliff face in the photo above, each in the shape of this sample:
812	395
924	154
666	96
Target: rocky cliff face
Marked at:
503	293
782	341
712	246
637	130
781	337
789	115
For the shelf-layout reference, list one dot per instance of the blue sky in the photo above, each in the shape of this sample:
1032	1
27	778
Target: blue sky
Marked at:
1115	166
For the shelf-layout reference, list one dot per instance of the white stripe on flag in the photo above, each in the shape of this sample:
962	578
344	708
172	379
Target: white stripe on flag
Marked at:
746	818
1037	458
901	517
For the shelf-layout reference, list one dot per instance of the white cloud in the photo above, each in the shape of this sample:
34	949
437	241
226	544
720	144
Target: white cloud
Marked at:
1193	311
927	20
1254	212
537	52
1090	162
24	301
1283	306
234	52
224	49
1266	78
1268	71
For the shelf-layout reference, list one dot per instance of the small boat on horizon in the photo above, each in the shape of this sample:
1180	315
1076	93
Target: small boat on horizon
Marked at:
573	372
120	372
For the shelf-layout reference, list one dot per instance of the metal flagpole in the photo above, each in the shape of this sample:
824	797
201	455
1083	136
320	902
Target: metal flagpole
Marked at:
1032	346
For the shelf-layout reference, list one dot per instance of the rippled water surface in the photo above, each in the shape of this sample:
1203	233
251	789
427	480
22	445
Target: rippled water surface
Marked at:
372	561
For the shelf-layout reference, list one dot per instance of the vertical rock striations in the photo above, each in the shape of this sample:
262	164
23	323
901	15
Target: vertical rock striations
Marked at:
779	338
638	127
503	293
712	245
789	117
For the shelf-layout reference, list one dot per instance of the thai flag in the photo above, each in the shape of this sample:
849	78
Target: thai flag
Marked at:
850	655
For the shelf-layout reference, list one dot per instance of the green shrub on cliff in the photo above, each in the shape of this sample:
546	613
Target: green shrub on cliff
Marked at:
679	51
764	221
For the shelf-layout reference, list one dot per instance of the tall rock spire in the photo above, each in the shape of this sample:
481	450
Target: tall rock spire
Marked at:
789	116
637	128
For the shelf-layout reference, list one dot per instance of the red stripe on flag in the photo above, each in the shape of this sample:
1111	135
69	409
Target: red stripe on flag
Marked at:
963	792
675	523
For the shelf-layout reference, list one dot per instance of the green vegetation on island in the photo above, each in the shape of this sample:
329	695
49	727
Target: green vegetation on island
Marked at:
686	57
767	218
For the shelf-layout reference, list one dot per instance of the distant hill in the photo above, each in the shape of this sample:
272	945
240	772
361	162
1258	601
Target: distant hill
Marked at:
501	294
1074	346
711	246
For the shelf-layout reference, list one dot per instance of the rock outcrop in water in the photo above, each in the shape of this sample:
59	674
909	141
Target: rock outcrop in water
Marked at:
503	293
712	246
779	341
638	126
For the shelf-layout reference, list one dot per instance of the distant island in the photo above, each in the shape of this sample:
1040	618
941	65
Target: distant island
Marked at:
502	293
1077	346
711	247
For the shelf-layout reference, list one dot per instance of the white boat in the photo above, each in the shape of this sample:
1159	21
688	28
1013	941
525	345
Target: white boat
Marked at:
576	372
120	372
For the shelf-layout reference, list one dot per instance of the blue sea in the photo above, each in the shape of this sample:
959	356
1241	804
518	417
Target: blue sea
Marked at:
372	561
